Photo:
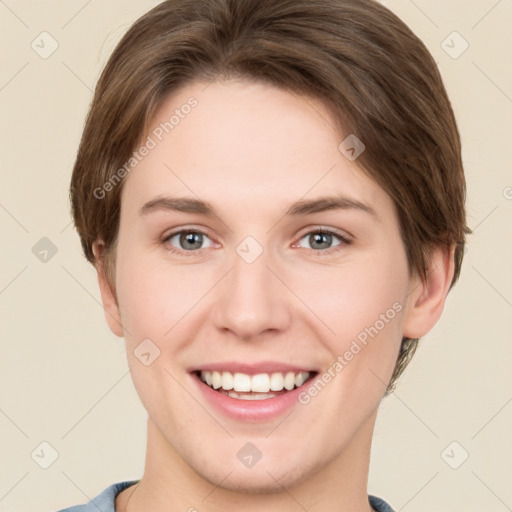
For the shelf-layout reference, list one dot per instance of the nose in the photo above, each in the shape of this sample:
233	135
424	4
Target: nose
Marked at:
252	299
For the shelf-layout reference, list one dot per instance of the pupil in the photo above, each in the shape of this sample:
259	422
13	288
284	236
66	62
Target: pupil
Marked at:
318	237
189	238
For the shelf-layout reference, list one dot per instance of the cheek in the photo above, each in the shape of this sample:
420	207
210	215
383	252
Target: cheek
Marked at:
347	298
353	297
154	295
361	309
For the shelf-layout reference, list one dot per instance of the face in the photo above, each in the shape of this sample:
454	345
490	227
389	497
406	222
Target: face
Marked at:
267	286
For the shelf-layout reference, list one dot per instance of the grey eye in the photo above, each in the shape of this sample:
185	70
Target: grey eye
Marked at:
188	240
321	240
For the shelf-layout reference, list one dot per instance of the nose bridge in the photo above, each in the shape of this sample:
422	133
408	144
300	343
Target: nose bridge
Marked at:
250	267
252	299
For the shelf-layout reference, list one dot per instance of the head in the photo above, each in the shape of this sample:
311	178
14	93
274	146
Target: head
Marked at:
250	107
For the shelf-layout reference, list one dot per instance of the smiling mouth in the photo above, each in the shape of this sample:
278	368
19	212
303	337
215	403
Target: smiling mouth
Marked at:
262	386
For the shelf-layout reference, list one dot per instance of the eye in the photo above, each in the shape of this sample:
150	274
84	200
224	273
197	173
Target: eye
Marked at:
188	240
321	239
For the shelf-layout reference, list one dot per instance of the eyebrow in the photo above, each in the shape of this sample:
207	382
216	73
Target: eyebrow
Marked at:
300	208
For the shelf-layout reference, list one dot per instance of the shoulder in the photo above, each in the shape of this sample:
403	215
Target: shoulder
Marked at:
379	504
105	501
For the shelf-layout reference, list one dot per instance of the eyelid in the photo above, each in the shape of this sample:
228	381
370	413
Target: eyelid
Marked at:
344	237
202	230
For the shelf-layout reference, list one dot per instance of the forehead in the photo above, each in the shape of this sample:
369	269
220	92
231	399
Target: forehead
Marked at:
247	143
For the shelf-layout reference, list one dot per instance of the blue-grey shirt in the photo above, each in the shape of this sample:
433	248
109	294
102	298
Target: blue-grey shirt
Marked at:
105	502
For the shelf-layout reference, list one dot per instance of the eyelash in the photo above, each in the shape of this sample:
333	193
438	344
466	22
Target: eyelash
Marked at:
344	241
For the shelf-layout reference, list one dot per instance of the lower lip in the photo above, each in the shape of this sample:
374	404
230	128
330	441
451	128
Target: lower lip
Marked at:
250	410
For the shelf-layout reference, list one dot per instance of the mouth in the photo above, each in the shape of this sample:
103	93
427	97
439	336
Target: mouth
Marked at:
252	392
255	386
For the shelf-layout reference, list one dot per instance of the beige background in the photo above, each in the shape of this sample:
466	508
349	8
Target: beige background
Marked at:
64	377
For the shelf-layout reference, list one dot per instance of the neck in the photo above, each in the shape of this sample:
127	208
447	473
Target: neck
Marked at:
170	484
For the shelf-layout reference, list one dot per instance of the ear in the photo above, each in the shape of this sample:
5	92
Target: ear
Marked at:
110	305
425	301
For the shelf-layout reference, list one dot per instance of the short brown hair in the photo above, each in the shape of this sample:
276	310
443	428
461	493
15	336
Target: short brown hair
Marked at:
360	59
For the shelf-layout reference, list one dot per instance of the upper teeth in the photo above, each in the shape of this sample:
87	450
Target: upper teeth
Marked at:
262	382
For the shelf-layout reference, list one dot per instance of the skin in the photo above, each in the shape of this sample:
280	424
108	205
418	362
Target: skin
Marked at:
251	150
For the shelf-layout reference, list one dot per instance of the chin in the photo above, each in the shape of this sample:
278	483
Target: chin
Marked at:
249	483
263	479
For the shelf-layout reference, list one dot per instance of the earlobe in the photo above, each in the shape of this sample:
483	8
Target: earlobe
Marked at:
108	298
425	302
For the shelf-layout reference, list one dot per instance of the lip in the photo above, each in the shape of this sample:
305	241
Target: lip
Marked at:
248	411
251	368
